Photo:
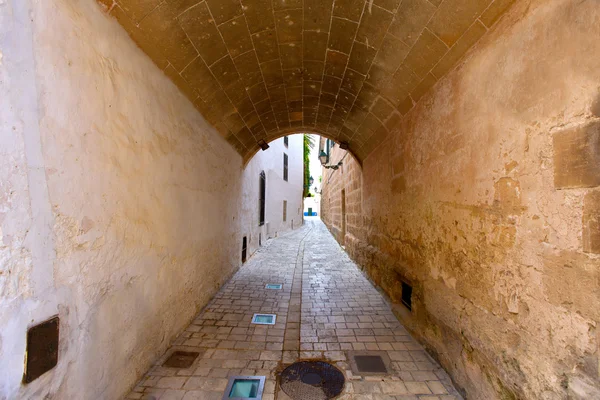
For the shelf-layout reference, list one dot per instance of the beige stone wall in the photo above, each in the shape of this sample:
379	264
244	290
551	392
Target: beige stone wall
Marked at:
118	202
485	199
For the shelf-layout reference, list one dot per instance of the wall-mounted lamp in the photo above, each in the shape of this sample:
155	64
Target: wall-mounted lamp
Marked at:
344	146
263	145
323	157
334	167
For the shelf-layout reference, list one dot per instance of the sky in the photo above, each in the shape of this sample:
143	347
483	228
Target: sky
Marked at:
315	165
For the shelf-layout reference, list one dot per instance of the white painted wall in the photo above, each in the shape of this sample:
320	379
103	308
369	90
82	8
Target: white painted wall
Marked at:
314	203
278	190
119	204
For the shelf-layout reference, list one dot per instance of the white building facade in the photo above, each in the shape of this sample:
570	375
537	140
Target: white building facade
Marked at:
272	192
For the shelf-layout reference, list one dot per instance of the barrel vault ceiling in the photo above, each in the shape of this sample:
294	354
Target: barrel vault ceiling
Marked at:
349	69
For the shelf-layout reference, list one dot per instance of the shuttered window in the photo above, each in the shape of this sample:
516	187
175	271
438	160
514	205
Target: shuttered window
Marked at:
261	198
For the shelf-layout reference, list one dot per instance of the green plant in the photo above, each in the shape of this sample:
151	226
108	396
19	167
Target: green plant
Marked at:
309	143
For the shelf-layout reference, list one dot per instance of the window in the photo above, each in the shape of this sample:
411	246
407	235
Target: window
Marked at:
286	141
284	210
261	198
285	167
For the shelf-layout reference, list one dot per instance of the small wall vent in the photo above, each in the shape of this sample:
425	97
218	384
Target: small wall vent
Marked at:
407	295
244	249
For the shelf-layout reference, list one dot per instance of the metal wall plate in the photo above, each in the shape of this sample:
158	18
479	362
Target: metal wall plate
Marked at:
250	386
369	362
42	349
274	286
264	319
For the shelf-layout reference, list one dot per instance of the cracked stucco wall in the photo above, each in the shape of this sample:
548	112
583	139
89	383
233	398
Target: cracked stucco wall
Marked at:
485	200
118	202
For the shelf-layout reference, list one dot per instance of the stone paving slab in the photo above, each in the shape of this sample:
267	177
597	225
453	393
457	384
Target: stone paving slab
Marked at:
326	310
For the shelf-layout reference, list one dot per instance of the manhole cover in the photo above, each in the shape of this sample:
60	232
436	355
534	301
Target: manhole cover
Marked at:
181	359
312	380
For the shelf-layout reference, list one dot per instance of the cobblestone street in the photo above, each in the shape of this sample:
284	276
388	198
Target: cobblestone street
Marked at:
326	310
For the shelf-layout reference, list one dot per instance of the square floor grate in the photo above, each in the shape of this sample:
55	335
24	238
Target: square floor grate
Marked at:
373	364
369	362
181	359
264	319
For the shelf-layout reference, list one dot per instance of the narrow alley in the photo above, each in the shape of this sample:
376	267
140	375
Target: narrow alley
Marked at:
326	310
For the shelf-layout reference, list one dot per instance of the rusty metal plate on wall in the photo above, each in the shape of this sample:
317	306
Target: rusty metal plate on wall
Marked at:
42	349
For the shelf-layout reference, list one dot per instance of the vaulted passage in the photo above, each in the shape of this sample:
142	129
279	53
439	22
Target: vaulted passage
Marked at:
151	182
350	69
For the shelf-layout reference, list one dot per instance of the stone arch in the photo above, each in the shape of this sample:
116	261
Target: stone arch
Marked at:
299	131
255	68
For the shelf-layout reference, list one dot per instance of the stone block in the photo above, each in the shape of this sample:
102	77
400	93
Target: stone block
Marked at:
577	157
225	72
258	14
373	26
317	15
224	10
315	45
471	36
391	53
289	25
454	17
348	9
495	11
236	36
423	87
410	19
265	44
138	9
361	57
426	52
202	31
591	222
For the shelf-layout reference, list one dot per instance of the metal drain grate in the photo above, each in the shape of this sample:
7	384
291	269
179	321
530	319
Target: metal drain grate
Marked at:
312	380
369	362
181	359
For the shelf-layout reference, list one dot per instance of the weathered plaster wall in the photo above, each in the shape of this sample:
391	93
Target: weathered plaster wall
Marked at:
277	190
118	202
485	199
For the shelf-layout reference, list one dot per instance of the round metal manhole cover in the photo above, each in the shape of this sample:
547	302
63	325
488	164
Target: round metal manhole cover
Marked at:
312	380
